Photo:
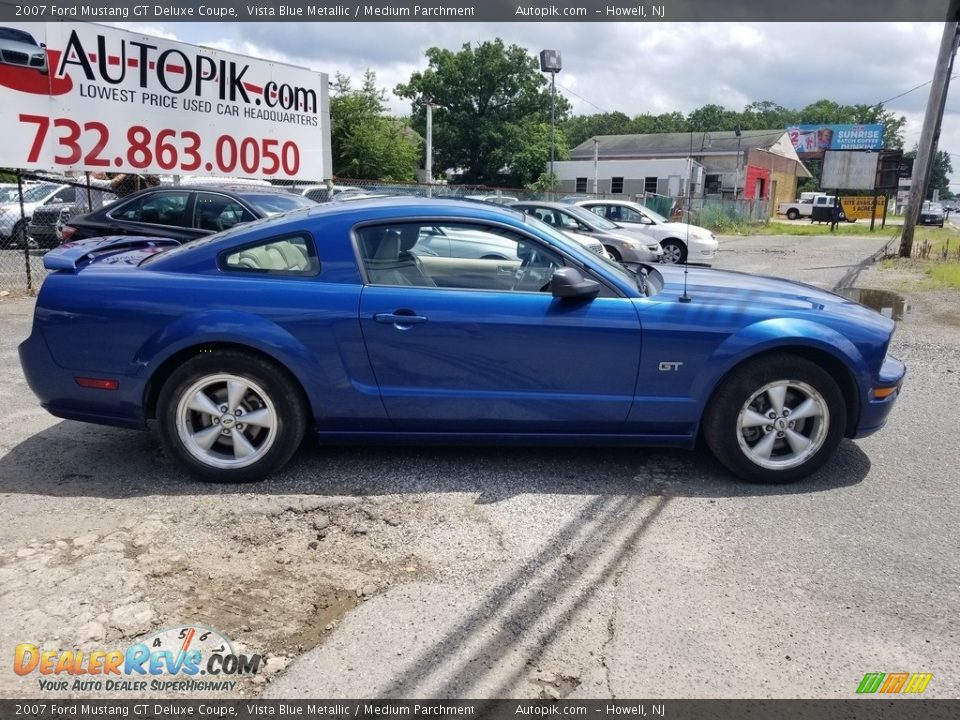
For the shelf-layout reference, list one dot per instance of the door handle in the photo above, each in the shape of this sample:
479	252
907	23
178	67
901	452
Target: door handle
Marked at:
399	319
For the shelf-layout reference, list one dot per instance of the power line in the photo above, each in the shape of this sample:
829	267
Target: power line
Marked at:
566	89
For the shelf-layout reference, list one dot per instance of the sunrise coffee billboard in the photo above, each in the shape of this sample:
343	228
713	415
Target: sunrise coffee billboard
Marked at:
80	96
812	140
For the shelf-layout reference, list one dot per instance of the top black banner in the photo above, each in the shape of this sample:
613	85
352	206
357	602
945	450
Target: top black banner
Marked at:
658	11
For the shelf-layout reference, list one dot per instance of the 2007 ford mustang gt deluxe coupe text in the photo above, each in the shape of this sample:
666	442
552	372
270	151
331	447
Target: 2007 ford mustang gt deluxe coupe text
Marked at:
362	321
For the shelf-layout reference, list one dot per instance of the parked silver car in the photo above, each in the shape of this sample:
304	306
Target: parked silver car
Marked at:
19	48
624	246
680	241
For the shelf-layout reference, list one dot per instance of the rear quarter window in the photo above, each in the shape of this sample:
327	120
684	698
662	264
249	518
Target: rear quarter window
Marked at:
286	255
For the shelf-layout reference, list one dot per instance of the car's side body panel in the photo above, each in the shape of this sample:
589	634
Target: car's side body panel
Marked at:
484	366
482	361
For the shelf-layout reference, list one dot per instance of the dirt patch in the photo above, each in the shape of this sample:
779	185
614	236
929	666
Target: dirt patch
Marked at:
275	576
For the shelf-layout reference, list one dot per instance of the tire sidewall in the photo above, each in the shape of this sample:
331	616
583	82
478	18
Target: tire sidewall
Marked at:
720	421
678	244
290	413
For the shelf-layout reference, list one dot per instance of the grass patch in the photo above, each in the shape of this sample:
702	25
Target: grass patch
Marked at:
945	274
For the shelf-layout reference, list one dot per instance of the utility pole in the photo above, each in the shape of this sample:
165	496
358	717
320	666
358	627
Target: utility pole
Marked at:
930	131
429	160
736	179
596	166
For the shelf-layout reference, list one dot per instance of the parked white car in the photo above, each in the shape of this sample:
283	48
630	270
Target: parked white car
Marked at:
680	241
13	226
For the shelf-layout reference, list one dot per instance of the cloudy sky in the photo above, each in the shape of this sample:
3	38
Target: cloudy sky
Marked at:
634	67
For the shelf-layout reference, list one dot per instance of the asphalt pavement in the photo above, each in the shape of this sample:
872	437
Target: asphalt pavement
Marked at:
512	572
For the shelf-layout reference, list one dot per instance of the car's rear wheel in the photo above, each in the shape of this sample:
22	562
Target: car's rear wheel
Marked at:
793	214
674	252
230	417
775	420
614	253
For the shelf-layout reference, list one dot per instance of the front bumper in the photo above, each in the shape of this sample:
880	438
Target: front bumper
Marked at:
874	410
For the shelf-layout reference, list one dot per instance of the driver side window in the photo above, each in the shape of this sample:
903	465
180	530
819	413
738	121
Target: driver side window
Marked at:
455	256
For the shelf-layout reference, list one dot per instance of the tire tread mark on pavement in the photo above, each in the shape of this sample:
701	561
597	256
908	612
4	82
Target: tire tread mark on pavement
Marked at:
613	513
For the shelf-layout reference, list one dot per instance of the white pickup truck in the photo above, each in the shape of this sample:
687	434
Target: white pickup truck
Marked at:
805	205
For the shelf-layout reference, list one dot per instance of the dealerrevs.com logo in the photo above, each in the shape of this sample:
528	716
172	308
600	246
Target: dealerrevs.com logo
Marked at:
179	659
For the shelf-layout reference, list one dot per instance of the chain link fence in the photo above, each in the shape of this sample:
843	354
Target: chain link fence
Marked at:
32	210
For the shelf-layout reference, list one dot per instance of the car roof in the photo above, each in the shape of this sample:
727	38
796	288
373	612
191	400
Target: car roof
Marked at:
241	188
606	201
442	205
541	203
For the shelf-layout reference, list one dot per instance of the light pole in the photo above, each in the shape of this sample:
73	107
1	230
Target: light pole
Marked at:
550	62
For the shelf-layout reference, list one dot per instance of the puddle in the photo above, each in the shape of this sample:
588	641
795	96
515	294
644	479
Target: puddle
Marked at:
886	303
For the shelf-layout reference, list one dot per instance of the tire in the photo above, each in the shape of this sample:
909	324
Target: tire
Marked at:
674	252
269	392
793	214
734	434
614	253
18	236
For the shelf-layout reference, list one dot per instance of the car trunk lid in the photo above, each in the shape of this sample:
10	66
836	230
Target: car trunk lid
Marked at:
116	250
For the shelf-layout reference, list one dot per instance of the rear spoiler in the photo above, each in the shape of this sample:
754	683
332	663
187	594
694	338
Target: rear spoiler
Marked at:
70	256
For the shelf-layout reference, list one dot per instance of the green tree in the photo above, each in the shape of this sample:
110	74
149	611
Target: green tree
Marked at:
663	123
486	97
939	174
760	115
366	143
581	128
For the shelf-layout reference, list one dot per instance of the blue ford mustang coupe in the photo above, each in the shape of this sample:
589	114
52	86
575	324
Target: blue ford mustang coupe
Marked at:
438	321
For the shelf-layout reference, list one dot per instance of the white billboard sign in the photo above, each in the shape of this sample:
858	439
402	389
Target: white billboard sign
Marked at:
80	96
849	170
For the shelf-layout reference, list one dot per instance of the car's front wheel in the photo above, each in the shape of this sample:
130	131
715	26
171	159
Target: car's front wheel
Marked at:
230	417
674	252
775	420
613	253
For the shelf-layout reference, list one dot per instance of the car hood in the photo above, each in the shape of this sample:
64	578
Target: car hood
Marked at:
682	229
14	208
627	234
15	46
725	287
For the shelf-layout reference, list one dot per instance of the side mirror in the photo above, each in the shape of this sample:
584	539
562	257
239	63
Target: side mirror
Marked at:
646	221
567	282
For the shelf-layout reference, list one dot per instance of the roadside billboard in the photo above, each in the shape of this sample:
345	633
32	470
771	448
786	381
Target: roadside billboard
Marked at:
80	96
810	140
849	170
862	207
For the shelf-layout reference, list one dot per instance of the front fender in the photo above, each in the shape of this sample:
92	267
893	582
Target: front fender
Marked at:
766	335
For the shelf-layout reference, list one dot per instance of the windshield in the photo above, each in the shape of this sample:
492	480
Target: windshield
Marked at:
37	192
276	203
551	231
655	215
590	218
16	36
